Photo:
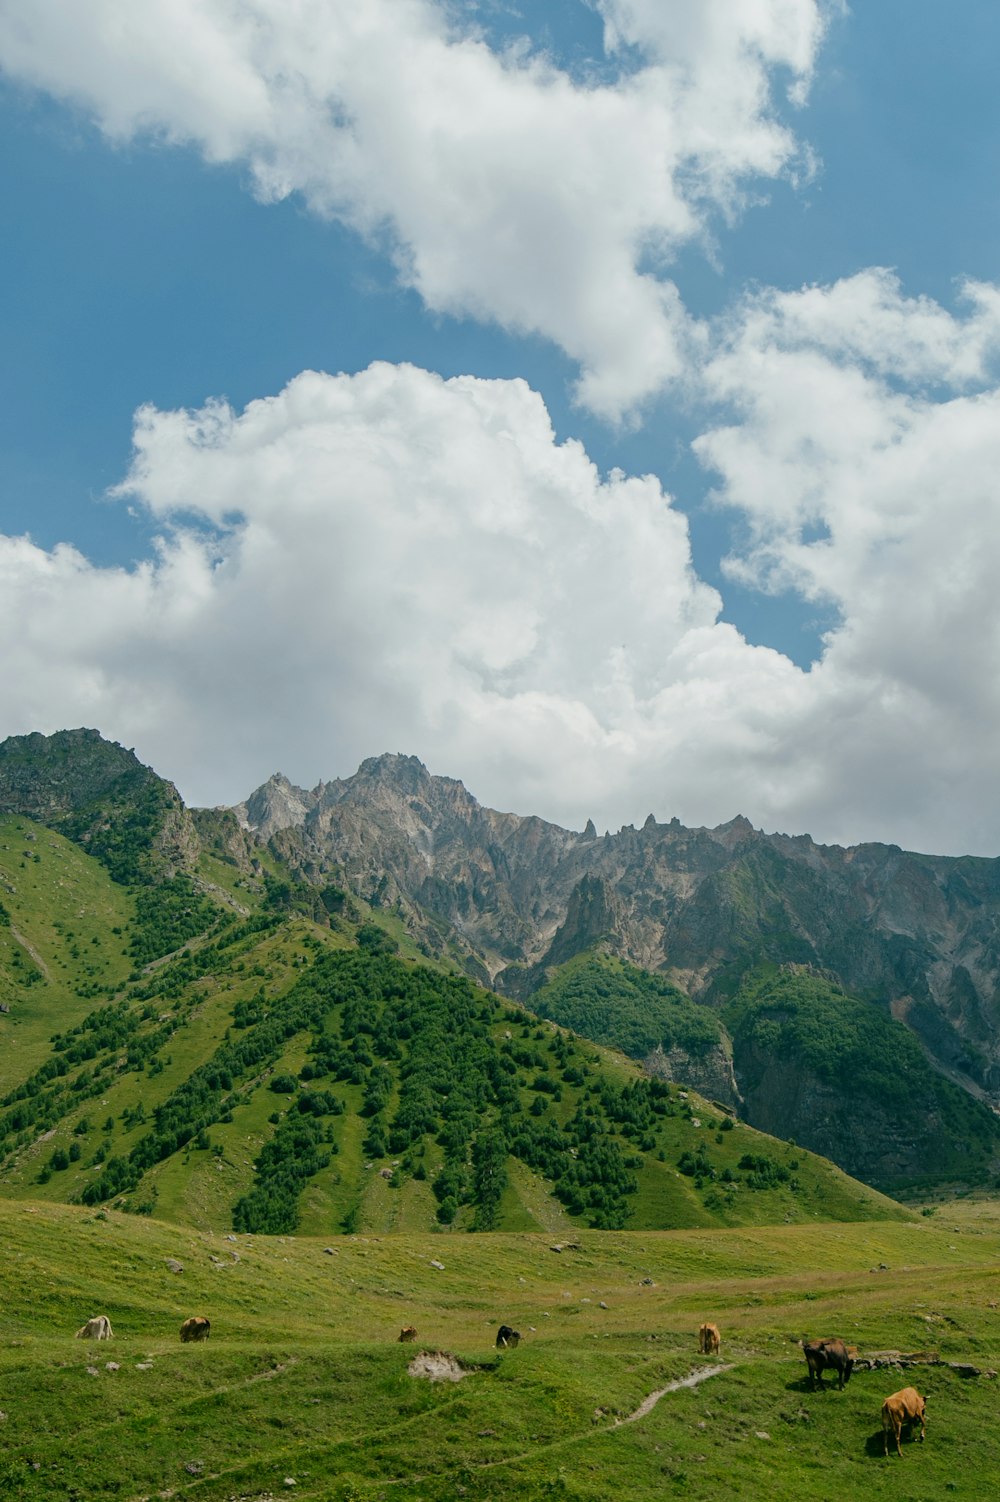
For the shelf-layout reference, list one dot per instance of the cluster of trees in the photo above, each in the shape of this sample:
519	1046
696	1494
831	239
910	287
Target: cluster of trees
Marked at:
301	1147
623	1007
166	916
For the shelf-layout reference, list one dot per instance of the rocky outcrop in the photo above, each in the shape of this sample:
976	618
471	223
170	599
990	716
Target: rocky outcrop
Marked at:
710	1073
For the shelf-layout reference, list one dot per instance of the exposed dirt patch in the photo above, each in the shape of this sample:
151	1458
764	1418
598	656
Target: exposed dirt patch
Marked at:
439	1366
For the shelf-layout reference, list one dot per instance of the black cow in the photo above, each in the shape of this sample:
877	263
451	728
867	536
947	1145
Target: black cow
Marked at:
821	1354
507	1337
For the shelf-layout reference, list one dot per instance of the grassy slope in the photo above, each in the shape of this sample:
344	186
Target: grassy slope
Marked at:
303	1378
63	900
59	901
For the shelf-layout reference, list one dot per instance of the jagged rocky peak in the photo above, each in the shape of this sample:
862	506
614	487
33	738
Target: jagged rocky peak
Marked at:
733	833
406	773
277	804
593	917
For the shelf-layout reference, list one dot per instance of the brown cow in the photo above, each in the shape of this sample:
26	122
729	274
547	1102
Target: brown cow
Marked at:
821	1354
195	1328
709	1340
408	1332
98	1328
904	1407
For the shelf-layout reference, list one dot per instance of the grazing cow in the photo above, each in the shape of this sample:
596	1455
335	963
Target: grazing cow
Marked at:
408	1332
98	1328
904	1407
507	1337
195	1328
709	1340
821	1354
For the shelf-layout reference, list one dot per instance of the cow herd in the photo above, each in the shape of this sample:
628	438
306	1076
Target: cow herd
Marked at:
903	1407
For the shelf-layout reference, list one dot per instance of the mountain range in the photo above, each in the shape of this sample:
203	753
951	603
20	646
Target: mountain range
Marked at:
841	998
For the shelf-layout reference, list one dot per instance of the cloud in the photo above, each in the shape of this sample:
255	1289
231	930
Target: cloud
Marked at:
386	561
863	461
506	190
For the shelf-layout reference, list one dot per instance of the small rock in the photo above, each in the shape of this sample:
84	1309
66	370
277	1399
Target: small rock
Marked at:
92	1371
762	1434
647	1283
290	1481
194	1467
144	1366
602	1305
112	1366
3	1417
437	1264
329	1251
174	1266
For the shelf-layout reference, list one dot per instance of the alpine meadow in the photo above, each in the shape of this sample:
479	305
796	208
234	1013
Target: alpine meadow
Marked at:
499	723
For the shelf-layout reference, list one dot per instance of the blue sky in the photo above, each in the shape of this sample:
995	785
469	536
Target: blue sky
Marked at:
144	265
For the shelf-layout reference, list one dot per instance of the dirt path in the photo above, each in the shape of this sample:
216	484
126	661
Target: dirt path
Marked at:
288	1458
691	1380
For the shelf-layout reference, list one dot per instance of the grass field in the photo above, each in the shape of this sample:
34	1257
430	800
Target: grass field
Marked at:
303	1389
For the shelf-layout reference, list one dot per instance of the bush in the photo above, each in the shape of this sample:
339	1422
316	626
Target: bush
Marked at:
283	1084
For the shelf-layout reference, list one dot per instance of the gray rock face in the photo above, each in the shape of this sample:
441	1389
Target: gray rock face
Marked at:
275	806
711	1073
515	894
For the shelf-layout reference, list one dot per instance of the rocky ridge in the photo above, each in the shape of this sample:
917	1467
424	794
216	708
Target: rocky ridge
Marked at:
511	896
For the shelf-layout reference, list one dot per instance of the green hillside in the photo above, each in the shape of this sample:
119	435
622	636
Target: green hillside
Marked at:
843	1076
275	1073
303	1388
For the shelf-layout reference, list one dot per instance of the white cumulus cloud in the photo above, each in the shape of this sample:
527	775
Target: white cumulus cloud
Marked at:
392	561
507	190
864	458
